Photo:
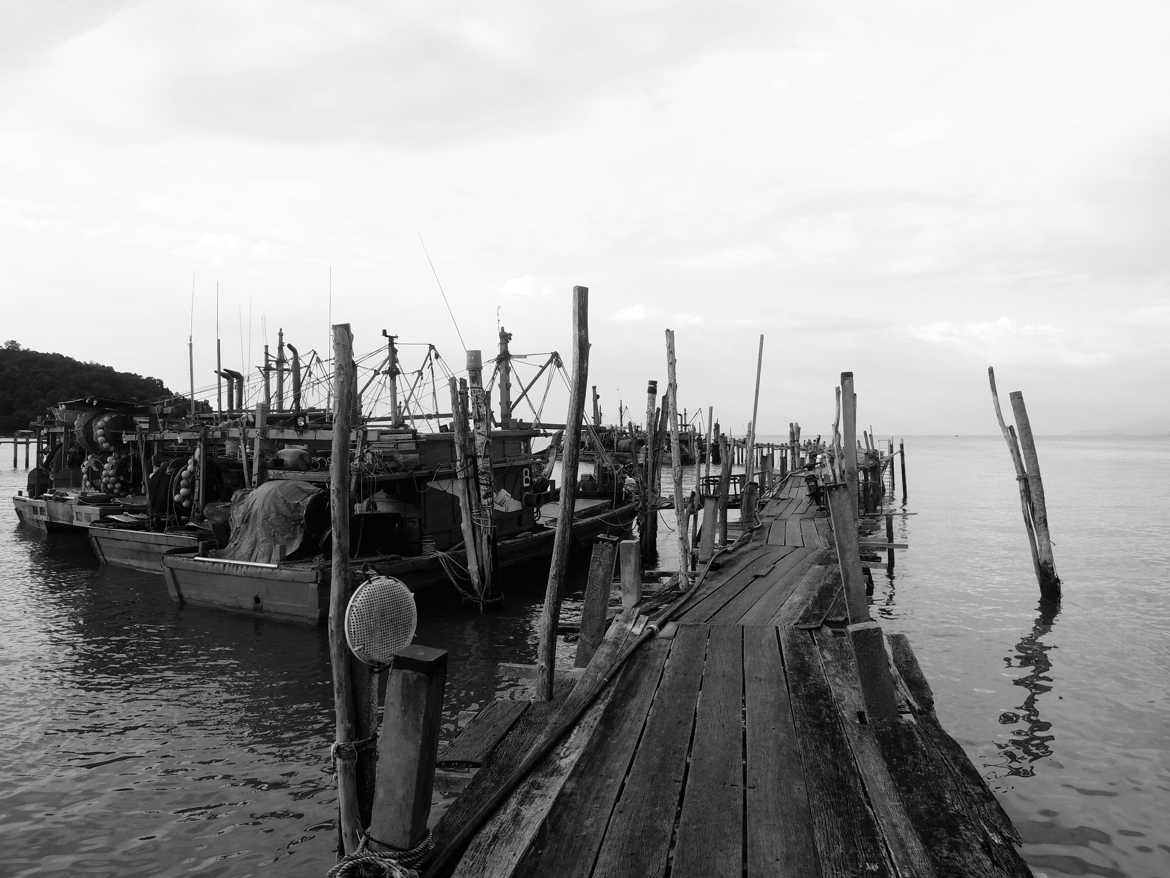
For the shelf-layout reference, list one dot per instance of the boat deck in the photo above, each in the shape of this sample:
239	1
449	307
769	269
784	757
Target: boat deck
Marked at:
737	743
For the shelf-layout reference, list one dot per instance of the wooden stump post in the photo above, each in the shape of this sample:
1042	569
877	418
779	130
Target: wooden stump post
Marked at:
596	599
726	450
1046	570
902	461
630	561
407	747
485	530
890	539
562	541
710	525
648	506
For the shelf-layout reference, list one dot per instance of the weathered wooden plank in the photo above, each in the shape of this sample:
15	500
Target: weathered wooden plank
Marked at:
902	841
814	612
776	576
837	614
638	838
812	537
907	664
847	836
765	560
777	531
598	585
498	846
710	827
778	825
722	570
806	589
481	736
785	579
568	843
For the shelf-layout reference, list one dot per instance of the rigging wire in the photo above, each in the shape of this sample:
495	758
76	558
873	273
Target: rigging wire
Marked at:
442	292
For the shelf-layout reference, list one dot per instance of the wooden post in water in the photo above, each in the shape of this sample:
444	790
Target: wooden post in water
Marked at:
598	584
546	649
407	747
680	514
344	695
893	478
1049	581
849	436
485	530
890	539
26	444
710	434
902	463
465	488
14	452
726	451
630	562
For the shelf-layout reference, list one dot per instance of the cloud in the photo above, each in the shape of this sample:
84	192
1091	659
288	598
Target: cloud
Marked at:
526	286
1004	339
632	313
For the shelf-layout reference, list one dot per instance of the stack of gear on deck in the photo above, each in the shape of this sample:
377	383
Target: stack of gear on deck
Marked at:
274	521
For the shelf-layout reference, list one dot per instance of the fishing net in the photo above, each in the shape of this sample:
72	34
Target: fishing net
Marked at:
380	620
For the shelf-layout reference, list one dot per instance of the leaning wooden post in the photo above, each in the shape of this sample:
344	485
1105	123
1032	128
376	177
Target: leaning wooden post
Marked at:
546	653
339	503
630	563
1009	436
407	746
680	512
598	585
464	486
1049	581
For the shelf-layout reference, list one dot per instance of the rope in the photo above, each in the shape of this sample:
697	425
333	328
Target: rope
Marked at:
350	750
376	859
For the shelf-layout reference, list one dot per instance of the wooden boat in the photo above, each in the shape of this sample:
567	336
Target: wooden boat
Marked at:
406	523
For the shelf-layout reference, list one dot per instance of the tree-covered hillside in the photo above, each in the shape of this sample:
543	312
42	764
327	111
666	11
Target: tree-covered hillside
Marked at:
31	381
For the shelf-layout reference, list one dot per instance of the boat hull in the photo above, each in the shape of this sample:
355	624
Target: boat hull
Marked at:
60	514
298	591
139	549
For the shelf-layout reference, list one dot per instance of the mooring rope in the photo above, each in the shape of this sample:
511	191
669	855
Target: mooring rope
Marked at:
376	859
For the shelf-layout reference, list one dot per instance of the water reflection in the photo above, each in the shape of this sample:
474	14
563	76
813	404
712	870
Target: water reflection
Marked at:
1031	741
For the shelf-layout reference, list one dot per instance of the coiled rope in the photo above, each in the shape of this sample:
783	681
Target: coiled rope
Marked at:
376	859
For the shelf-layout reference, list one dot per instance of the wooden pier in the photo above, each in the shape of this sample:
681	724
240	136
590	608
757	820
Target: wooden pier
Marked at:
734	739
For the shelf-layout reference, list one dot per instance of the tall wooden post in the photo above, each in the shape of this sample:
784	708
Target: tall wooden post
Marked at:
485	525
407	746
849	434
1046	568
339	590
726	453
280	364
680	513
504	370
596	408
546	649
902	465
648	502
465	488
267	372
392	373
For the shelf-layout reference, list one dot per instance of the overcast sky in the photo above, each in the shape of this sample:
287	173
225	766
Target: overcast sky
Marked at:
908	191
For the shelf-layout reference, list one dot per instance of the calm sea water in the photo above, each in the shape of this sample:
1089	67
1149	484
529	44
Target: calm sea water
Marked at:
142	739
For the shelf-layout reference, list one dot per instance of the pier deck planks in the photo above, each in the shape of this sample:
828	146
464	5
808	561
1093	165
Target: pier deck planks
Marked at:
730	744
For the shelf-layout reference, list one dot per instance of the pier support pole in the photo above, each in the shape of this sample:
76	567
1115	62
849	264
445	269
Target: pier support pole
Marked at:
562	541
485	529
680	513
630	562
407	746
261	423
648	505
710	525
726	452
902	462
344	690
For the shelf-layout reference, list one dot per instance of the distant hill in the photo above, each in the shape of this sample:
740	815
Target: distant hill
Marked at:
31	381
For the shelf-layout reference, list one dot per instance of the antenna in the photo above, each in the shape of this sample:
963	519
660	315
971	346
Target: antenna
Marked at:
442	292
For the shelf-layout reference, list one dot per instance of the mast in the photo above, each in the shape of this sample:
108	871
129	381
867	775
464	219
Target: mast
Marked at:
504	367
392	373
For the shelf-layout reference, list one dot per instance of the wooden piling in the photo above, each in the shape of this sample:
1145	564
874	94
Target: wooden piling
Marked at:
849	434
648	503
902	462
680	513
26	444
407	747
725	456
630	563
350	823
710	525
890	539
893	479
14	446
707	444
464	489
1046	571
598	585
546	652
262	422
485	531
